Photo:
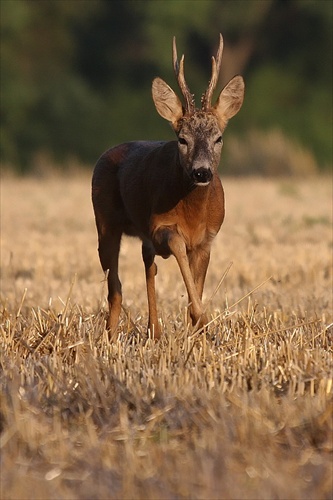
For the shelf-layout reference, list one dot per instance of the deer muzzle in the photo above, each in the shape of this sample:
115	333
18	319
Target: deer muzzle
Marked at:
201	176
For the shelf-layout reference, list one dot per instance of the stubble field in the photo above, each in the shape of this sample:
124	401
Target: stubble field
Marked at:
243	410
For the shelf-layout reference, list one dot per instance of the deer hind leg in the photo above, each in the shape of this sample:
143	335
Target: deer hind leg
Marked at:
148	255
109	246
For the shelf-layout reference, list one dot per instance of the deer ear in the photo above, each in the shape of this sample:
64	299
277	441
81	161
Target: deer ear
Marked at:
230	100
166	102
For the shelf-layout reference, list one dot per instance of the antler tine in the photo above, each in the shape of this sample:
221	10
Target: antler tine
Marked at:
174	56
216	66
179	71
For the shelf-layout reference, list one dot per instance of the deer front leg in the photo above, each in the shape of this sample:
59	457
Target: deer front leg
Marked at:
198	261
177	247
148	255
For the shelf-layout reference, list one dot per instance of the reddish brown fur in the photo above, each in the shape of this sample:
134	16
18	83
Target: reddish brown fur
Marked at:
166	193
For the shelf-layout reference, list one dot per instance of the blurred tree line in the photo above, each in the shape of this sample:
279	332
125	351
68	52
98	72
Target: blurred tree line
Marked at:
76	74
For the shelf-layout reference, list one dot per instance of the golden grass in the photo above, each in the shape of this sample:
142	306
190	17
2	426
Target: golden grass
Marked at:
241	411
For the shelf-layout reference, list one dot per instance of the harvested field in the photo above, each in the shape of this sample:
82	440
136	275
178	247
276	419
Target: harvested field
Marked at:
243	410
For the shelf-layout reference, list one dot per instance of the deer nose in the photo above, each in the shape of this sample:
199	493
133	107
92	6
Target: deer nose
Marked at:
202	175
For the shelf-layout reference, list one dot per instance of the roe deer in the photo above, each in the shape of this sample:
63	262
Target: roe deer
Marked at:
168	194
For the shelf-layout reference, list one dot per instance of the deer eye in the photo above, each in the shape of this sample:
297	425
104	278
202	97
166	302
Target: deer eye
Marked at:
181	140
218	140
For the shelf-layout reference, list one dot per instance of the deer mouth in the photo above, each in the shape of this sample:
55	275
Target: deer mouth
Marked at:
201	176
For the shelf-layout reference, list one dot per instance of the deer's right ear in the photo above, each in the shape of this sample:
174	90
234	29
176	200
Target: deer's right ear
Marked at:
166	101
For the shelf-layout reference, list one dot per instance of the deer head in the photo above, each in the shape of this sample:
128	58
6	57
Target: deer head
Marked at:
199	131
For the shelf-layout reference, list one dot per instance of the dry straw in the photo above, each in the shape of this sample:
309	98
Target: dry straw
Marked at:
242	409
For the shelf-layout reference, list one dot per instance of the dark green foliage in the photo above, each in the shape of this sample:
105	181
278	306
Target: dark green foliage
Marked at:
76	75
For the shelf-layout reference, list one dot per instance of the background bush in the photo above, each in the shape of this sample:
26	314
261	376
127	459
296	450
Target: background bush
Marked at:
76	75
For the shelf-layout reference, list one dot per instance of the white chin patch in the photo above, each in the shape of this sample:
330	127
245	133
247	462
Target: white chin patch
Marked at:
202	183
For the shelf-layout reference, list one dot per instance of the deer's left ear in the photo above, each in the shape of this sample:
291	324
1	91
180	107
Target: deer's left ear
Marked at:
230	100
166	101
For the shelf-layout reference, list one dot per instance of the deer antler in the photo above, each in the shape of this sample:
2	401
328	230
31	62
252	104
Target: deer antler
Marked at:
179	71
216	66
